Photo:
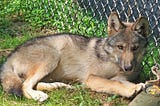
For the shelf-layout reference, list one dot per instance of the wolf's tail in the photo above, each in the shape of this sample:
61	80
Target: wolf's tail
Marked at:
10	81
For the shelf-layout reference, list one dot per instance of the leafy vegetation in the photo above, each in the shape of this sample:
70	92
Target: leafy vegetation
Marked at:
62	16
152	58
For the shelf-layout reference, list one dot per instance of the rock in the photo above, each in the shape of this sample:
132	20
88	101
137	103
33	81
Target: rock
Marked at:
144	99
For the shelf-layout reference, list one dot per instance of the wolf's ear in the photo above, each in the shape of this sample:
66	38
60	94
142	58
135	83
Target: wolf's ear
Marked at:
114	23
142	26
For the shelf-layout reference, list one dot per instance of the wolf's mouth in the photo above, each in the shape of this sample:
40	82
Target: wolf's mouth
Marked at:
126	68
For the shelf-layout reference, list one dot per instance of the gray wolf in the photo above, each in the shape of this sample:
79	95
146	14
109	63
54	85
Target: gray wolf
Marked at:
102	64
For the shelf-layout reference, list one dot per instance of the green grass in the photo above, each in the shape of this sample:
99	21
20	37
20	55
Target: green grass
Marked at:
59	15
10	42
64	97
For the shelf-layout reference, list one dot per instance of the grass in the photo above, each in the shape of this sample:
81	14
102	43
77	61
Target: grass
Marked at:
65	97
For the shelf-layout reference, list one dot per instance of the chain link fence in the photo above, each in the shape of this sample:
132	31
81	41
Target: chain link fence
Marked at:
89	17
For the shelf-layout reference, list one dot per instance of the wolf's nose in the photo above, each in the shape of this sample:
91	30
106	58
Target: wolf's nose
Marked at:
128	68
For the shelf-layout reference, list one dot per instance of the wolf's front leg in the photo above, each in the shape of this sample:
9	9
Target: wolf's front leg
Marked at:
124	88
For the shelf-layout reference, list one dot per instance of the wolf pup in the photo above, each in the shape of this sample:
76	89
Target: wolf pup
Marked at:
102	64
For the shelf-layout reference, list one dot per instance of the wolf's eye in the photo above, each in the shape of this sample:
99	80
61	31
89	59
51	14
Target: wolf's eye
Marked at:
120	47
134	48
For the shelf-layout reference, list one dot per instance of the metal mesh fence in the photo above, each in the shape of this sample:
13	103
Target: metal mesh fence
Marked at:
89	17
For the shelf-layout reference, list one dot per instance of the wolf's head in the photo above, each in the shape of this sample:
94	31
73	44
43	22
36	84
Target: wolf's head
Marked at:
127	42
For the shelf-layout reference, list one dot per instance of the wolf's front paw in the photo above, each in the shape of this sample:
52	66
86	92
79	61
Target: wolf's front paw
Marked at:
139	87
143	85
134	90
